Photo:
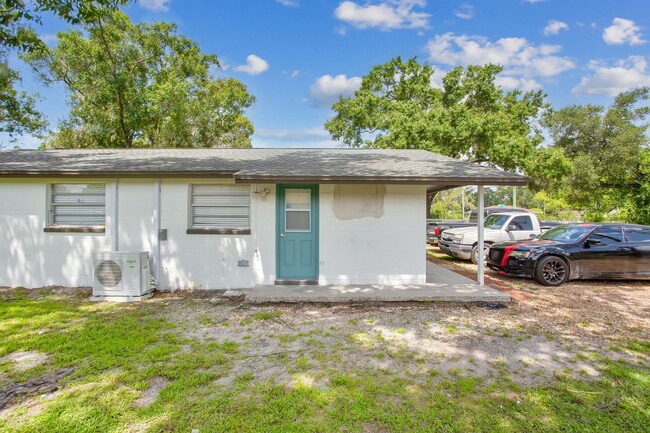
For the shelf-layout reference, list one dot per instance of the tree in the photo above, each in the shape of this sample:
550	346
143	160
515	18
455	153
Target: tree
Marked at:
470	117
449	204
608	148
142	85
18	114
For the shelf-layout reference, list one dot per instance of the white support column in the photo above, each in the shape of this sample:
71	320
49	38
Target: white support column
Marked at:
155	241
481	222
114	216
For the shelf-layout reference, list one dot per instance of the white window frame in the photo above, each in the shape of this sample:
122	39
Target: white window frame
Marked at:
194	228
81	226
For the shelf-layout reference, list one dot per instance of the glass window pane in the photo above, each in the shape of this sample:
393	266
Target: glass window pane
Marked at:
298	199
297	221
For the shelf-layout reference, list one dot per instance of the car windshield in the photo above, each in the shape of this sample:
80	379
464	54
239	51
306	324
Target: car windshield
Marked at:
496	221
566	233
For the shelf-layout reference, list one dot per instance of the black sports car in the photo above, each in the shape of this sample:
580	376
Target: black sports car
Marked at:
577	251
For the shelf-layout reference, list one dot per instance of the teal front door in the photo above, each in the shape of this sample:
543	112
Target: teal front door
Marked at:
297	234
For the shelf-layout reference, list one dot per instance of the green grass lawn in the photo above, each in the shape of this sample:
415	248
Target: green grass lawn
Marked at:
117	350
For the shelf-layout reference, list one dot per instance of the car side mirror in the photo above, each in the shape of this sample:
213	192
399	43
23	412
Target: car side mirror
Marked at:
533	236
511	228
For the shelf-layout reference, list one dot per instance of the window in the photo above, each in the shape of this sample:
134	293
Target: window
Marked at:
298	210
77	207
522	223
219	209
638	235
607	235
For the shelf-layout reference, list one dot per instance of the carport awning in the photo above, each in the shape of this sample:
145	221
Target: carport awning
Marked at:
390	166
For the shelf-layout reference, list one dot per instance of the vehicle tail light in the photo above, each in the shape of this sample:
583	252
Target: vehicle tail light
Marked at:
436	231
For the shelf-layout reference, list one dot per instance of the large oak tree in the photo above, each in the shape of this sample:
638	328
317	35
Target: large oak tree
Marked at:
18	113
611	158
469	117
142	85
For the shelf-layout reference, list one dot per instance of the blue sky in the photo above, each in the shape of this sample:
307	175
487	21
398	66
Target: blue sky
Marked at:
297	56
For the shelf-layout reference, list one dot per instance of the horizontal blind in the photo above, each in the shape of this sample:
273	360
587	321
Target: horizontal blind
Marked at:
78	205
220	206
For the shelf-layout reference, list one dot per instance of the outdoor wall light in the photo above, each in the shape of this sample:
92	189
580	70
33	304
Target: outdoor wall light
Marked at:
263	193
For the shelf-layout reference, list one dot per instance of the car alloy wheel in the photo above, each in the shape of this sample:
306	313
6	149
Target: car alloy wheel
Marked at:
551	271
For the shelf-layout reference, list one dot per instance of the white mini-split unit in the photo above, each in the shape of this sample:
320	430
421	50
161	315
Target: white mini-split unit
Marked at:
122	276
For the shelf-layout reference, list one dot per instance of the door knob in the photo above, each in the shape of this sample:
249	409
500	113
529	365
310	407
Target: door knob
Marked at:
281	235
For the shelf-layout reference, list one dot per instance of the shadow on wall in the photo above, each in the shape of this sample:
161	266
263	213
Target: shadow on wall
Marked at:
36	259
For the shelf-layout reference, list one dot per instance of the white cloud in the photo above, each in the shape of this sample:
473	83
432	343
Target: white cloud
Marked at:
300	134
316	137
255	65
327	88
534	1
437	77
385	15
554	27
510	83
626	74
623	31
290	3
465	11
49	38
517	56
155	5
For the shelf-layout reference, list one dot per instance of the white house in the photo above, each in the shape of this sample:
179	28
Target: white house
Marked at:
224	218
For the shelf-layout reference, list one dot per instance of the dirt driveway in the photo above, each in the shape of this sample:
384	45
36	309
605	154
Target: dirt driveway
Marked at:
545	332
540	356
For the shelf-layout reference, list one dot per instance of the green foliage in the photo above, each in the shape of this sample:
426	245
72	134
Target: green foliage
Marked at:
470	117
608	149
142	85
18	16
449	204
18	114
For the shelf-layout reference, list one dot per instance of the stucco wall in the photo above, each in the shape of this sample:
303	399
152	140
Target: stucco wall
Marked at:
389	249
31	258
386	248
211	261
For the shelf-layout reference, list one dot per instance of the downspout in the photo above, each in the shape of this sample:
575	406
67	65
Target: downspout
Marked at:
114	213
481	222
155	242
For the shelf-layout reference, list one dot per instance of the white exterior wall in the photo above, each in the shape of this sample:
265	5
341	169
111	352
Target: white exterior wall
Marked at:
209	261
385	250
30	257
390	249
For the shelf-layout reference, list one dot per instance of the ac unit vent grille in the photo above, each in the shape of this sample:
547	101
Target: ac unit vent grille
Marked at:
108	273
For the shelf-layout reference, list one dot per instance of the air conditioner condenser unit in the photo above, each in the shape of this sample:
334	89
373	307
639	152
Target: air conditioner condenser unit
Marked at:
121	276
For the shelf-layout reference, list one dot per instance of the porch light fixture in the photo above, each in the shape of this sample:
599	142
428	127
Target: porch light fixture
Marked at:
263	193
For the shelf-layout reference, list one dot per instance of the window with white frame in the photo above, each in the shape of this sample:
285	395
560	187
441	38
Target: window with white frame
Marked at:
219	208
77	205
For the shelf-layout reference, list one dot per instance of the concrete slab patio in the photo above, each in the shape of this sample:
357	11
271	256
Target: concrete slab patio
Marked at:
442	286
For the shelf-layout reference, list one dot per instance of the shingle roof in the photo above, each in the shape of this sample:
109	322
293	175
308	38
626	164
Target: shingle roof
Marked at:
259	165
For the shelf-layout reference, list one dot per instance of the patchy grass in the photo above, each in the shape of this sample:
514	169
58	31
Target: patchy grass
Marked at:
296	377
267	315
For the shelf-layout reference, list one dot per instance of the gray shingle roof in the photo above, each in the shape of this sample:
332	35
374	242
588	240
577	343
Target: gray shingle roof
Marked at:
259	165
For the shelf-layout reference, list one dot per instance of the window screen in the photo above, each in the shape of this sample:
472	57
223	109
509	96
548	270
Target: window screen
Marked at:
78	204
220	206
